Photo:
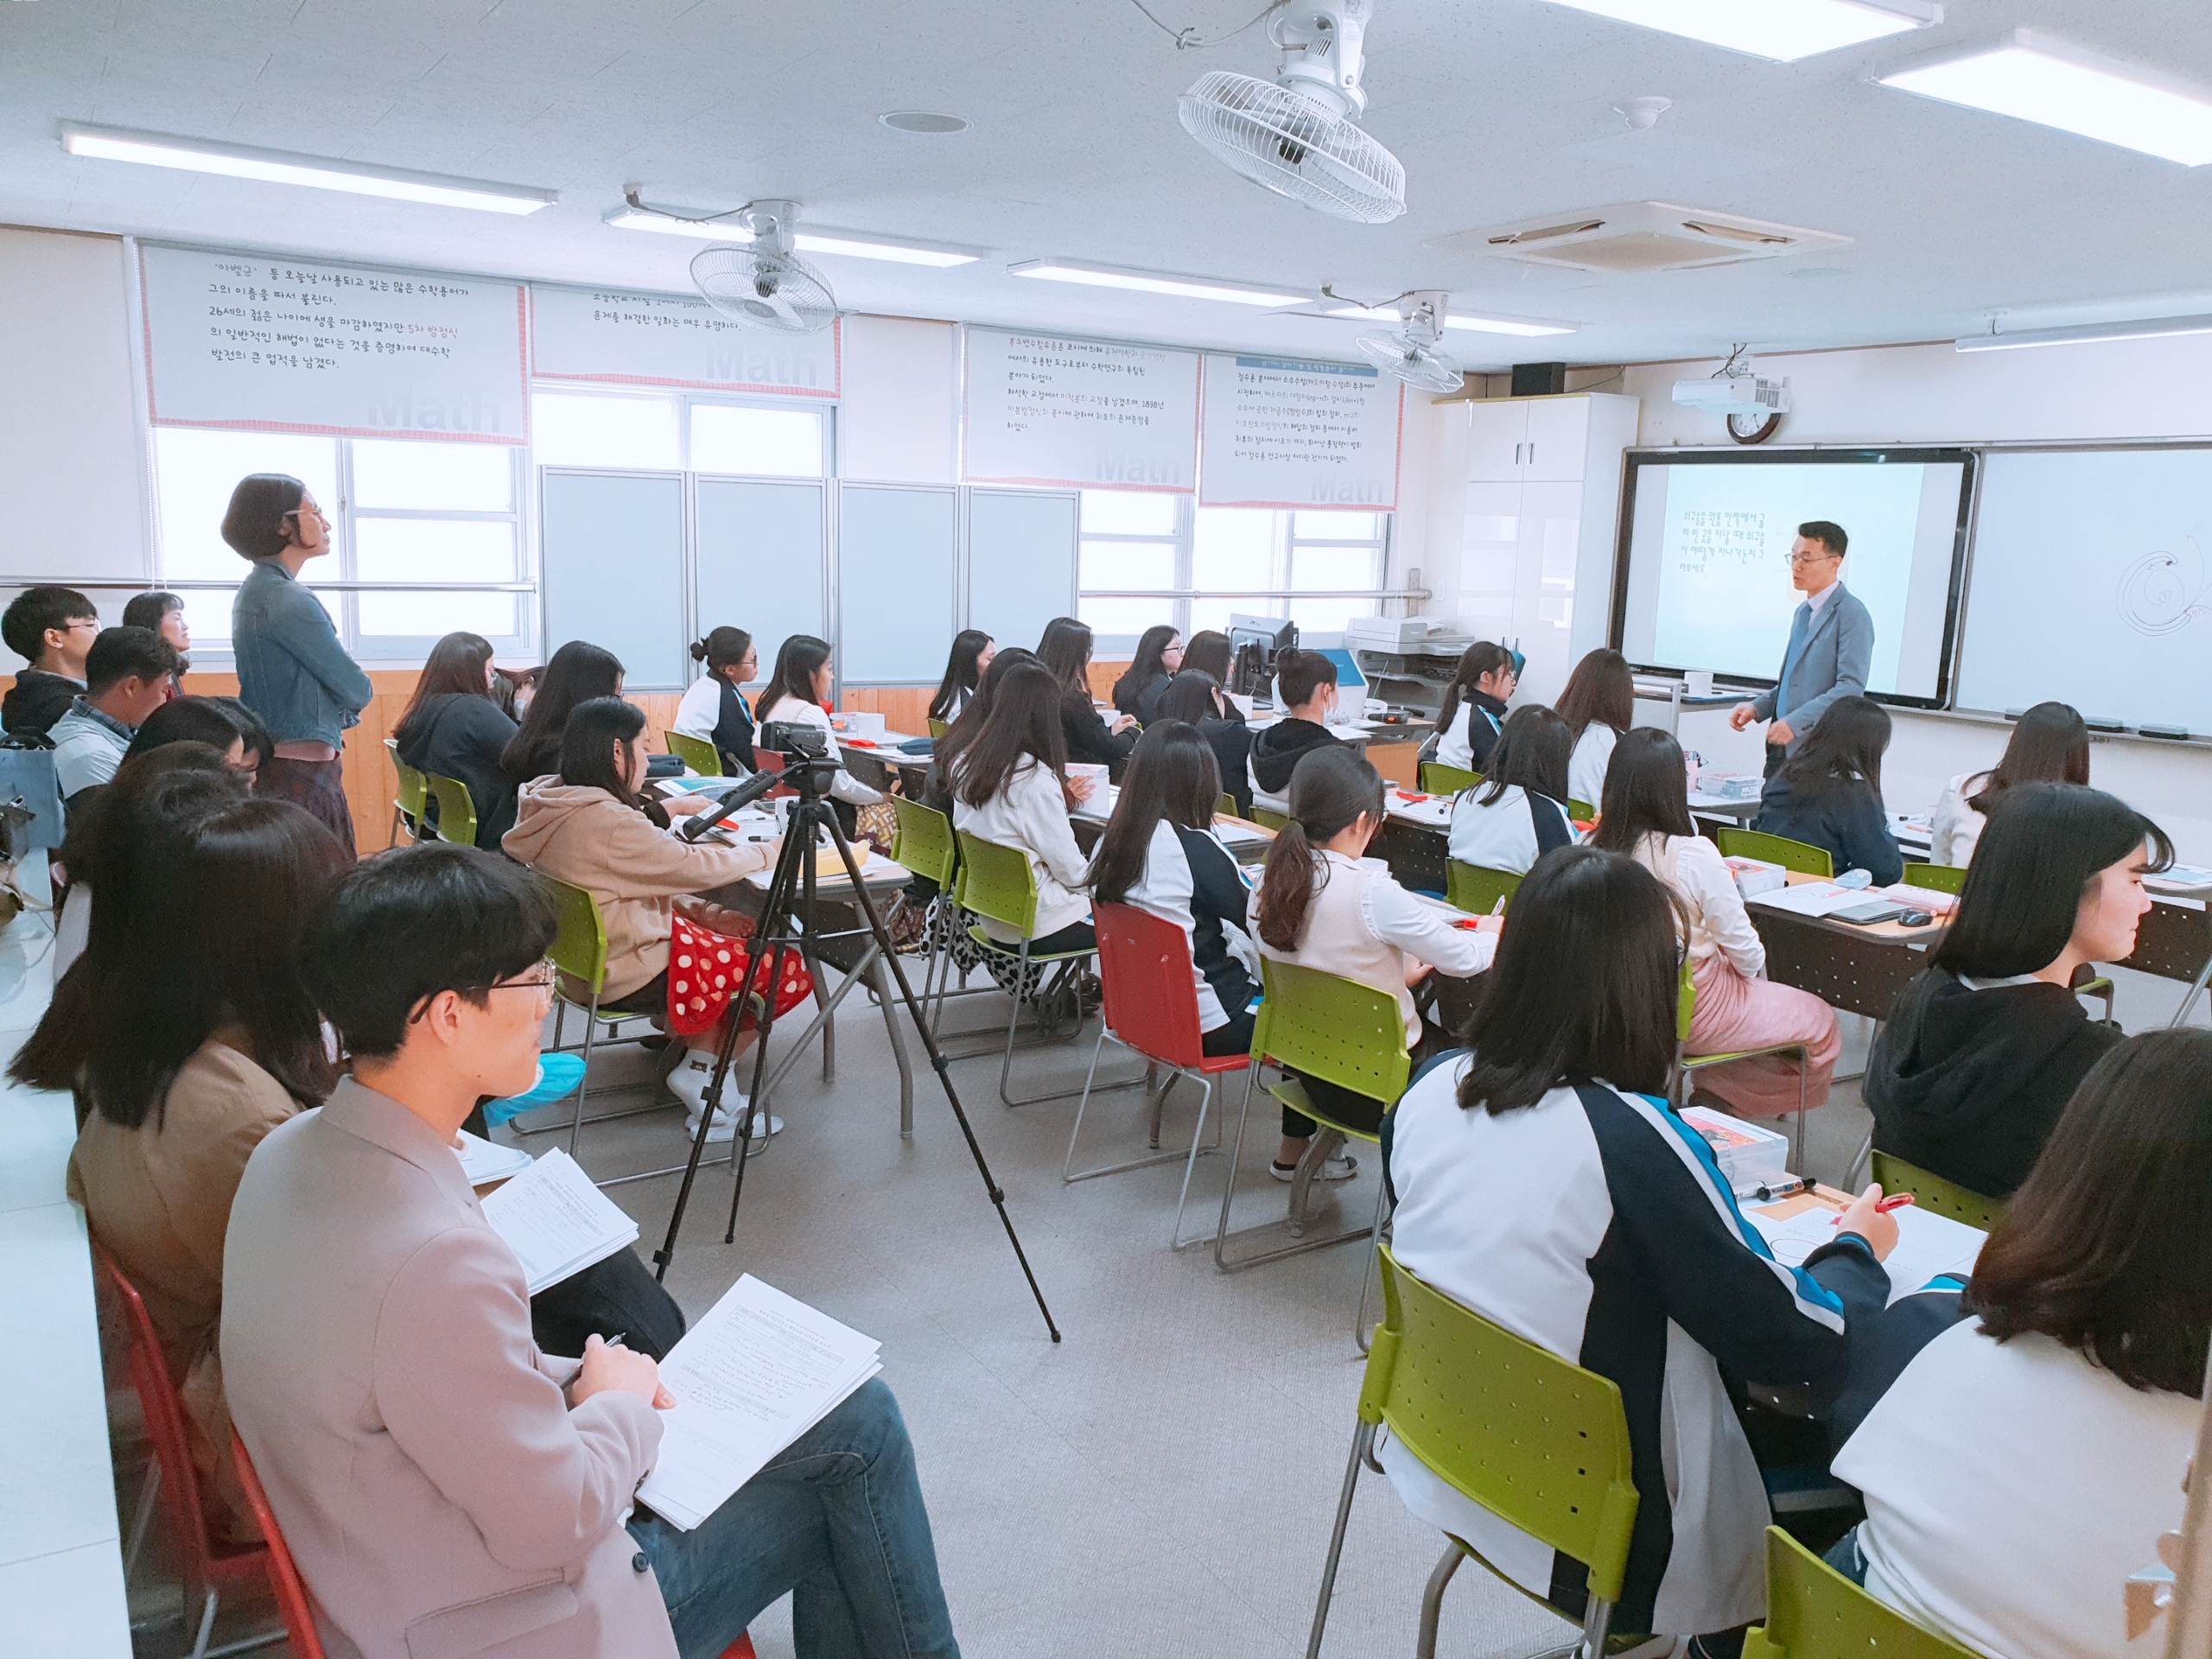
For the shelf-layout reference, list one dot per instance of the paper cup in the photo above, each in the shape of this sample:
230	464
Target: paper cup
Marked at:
1698	682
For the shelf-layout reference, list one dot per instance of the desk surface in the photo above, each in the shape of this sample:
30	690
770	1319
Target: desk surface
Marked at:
1884	932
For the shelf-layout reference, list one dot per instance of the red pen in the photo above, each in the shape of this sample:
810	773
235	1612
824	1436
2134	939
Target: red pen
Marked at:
1882	1206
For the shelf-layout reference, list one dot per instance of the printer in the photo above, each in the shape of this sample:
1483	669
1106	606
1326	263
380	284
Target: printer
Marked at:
1408	660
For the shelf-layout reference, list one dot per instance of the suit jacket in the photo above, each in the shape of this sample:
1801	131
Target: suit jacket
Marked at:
439	1497
1839	651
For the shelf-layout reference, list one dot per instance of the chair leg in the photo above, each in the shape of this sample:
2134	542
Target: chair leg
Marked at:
1229	1194
1596	1623
1361	1439
1070	1175
206	1627
1858	1163
1014	1024
1360	1334
147	1494
1175	1239
583	1083
1432	1599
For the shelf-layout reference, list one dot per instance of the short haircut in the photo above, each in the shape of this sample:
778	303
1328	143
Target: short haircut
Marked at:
587	744
2102	1248
188	720
1532	751
1829	534
1647	791
121	653
405	926
150	610
1299	674
2044	844
257	523
2050	744
32	612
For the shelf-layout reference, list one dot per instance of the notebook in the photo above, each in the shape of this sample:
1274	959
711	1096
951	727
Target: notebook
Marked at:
557	1221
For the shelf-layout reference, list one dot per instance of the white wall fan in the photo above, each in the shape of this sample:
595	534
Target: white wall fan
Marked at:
763	284
1411	353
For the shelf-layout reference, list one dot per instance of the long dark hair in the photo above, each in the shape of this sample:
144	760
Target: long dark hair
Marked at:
1844	747
256	524
1584	986
577	672
1208	653
962	732
456	662
1601	690
1483	657
1172	775
2030	868
798	660
1532	751
2102	1248
152	784
723	647
1065	652
1022	726
587	751
1330	787
2050	745
1647	791
1190	695
961	674
1152	645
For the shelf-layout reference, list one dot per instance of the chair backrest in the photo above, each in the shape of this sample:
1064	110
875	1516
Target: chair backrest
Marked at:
456	811
996	882
1933	1192
1476	887
1268	819
1534	1439
1580	811
414	791
1437	778
1936	877
292	1603
940	727
924	841
1335	1029
1685	1006
1225	805
1801	856
769	761
1151	989
696	752
580	945
1814	1612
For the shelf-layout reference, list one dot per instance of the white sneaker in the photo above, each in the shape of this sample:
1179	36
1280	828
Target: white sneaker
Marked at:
1337	1168
688	1083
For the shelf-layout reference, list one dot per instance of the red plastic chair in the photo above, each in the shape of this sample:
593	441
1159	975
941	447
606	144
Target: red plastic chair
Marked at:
208	1569
770	760
1151	1008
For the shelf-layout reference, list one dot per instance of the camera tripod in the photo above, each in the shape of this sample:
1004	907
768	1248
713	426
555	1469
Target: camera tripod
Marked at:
787	924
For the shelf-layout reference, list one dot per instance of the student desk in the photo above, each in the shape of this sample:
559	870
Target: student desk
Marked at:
1247	841
876	765
1852	969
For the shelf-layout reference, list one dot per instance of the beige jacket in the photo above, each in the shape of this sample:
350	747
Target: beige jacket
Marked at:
585	837
440	1498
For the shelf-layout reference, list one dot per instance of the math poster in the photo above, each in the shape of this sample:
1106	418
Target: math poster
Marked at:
1085	414
673	340
1281	433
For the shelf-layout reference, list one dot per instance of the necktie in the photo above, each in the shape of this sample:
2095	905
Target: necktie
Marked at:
1799	625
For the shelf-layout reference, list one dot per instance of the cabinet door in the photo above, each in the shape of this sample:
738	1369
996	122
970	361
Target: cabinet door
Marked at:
1497	437
1489	559
1559	440
1547	549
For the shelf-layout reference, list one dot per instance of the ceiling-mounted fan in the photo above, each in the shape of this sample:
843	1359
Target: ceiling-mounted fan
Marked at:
761	284
1410	352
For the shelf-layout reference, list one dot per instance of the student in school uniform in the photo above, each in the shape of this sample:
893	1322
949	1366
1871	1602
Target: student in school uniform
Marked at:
1645	813
1542	1182
1194	697
1158	659
2051	744
1324	904
578	673
1010	787
1518	812
798	693
1065	652
127	674
972	653
1982	1050
454	727
1829	792
1598	706
714	708
1305	687
2014	1471
163	614
1208	653
1473	712
51	629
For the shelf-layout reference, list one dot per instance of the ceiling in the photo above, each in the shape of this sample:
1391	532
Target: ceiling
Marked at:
1499	109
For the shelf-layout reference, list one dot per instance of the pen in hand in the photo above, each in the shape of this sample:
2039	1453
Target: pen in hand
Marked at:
575	1377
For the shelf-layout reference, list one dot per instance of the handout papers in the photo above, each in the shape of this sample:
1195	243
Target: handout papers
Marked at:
758	1371
483	1161
1928	1244
1811	899
557	1221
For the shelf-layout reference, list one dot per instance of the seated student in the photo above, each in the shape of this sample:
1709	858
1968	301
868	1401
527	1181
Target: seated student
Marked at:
798	693
127	673
224	723
577	673
163	614
1305	687
1473	711
512	689
972	653
2050	745
1645	814
588	825
1010	786
1323	904
1829	793
1159	659
446	1486
937	782
1194	696
714	708
1159	854
453	725
1598	706
1542	1182
1208	653
2026	1460
51	629
1982	1050
1065	651
1518	812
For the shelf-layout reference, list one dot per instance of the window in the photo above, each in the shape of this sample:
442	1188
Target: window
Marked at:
441	512
1131	539
195	470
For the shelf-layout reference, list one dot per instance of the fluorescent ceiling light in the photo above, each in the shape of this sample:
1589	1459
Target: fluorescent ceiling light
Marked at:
2086	333
2055	85
275	166
1783	31
845	242
1473	325
1145	281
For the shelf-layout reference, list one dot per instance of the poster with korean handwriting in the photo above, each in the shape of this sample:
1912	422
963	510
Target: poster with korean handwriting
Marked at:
673	340
1080	413
1281	433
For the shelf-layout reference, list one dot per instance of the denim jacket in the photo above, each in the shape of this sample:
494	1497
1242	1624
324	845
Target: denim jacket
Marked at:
292	671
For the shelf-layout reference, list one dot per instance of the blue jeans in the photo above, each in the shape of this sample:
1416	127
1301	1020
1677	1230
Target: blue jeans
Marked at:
837	1519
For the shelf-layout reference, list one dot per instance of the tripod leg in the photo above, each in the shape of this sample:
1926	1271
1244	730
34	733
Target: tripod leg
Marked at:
881	981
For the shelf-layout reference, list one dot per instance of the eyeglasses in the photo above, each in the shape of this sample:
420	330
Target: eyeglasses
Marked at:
543	982
1810	558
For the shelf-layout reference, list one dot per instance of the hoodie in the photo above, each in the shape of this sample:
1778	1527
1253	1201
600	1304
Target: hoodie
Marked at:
1277	749
36	700
635	872
1968	1084
462	735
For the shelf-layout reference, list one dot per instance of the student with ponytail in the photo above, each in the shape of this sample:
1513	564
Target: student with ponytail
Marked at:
714	710
1473	713
1323	904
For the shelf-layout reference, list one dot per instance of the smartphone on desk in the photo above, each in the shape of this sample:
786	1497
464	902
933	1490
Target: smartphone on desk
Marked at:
1872	914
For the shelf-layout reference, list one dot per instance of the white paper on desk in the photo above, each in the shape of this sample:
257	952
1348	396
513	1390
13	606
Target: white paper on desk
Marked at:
758	1371
1434	812
2182	878
483	1161
1928	1244
1811	899
557	1221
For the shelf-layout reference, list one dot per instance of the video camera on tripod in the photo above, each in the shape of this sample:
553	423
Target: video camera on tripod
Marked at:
808	767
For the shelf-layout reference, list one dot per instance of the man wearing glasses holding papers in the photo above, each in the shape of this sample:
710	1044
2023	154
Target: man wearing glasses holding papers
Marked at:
1830	647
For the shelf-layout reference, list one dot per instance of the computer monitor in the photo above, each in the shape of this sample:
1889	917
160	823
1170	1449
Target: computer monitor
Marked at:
1254	643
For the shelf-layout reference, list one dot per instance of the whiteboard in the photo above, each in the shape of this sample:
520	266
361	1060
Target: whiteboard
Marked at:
1079	413
1022	562
280	345
895	549
1281	433
612	548
761	553
2091	584
673	340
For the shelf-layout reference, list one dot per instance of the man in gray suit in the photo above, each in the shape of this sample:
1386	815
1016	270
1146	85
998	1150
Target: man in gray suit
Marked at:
446	1488
1830	647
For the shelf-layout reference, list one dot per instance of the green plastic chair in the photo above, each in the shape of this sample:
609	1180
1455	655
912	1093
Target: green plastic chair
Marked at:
940	727
1225	805
1801	856
997	883
1933	1193
580	953
1580	811
457	819
1686	1062
1476	888
1268	819
1936	877
696	752
1814	1612
925	844
1437	778
411	802
1535	1439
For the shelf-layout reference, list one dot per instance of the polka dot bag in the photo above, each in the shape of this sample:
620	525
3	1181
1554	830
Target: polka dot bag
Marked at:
705	969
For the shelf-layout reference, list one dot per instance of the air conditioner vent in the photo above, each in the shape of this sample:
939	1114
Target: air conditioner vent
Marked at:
1639	236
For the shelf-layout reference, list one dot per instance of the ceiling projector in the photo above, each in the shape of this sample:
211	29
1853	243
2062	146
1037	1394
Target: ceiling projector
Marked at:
1743	395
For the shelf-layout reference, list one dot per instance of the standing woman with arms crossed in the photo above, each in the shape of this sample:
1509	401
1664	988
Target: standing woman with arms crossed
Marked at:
714	710
292	671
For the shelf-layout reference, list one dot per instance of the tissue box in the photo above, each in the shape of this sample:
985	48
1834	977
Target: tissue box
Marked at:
1755	876
1747	1154
857	723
